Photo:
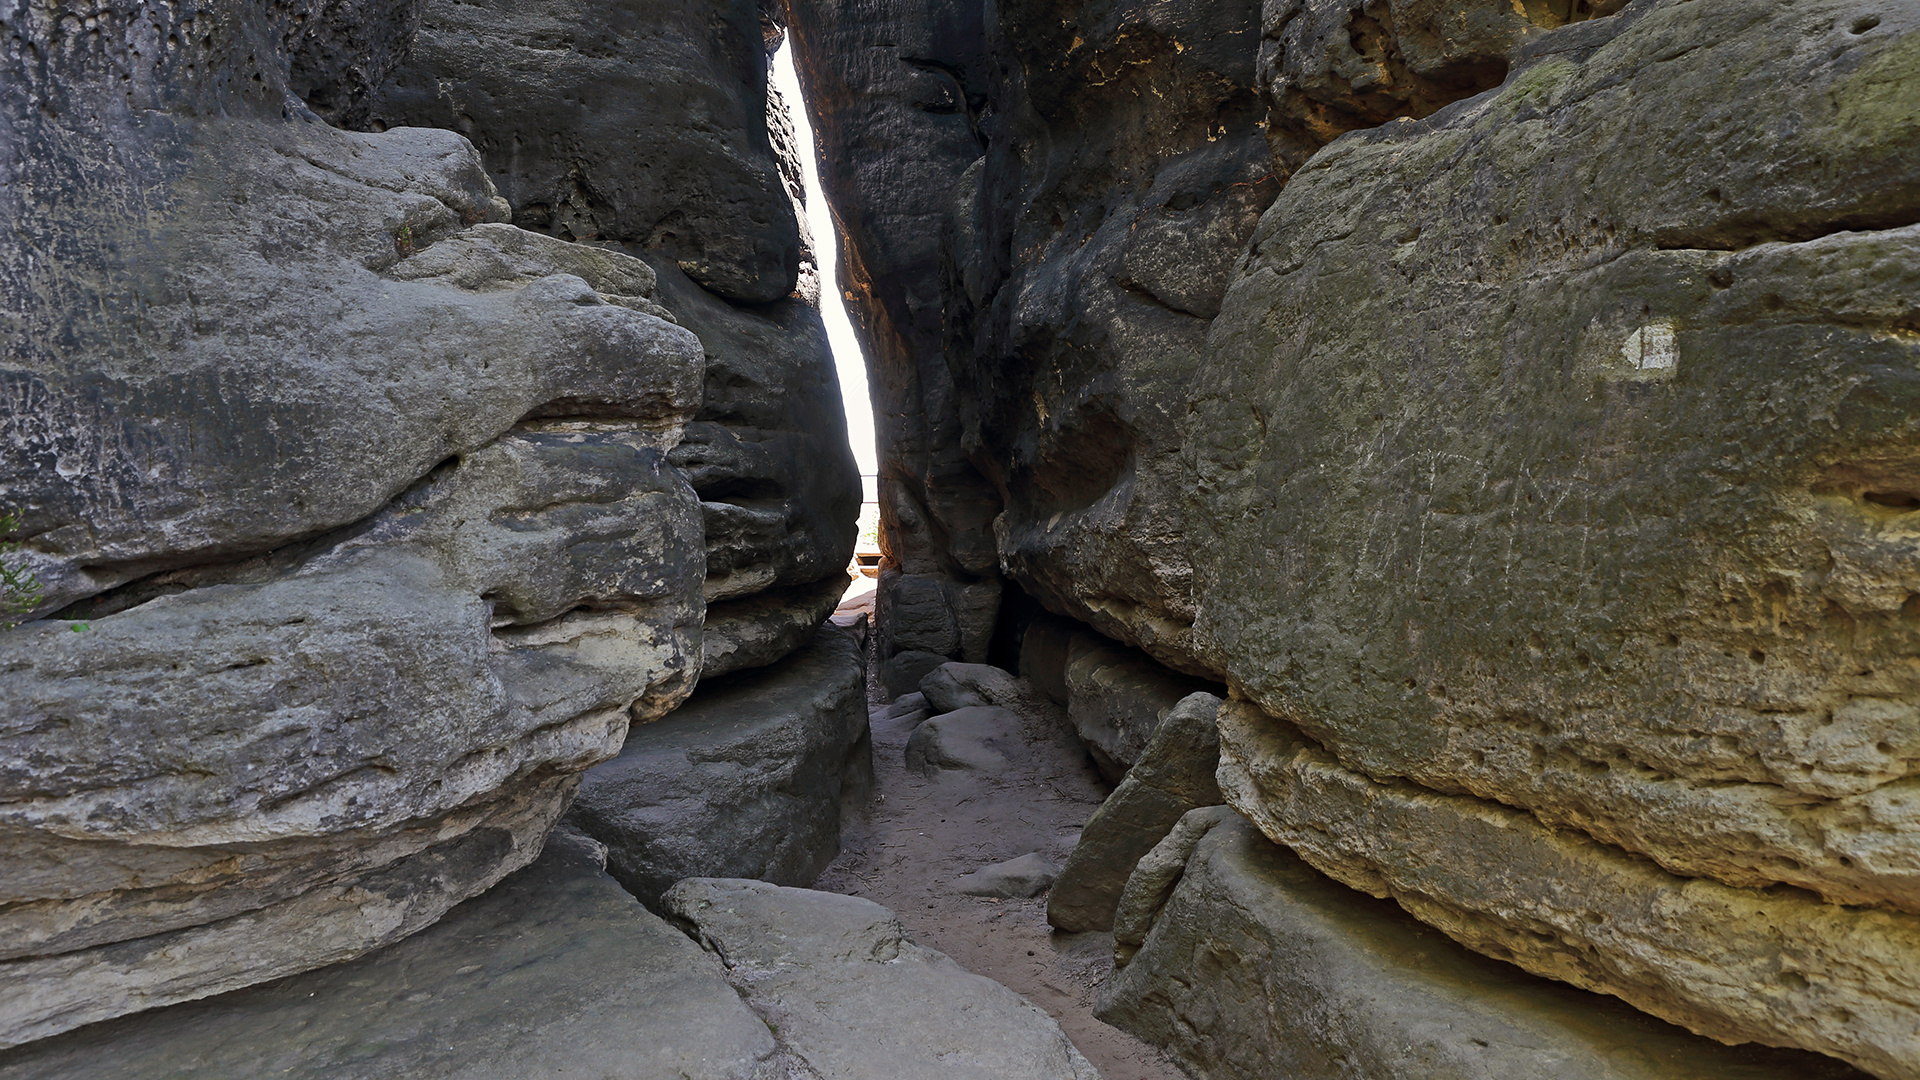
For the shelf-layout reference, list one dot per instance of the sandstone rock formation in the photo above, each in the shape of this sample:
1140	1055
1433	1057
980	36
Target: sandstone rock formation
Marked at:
1173	776
852	996
555	971
645	128
352	506
746	779
1303	978
1540	468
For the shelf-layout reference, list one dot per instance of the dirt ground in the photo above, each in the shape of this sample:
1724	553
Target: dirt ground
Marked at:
918	835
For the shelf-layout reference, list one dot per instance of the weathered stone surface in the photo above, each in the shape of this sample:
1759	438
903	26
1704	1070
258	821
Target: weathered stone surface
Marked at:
1175	774
768	450
1258	966
1116	697
1623	590
584	114
554	972
762	628
1028	875
382	590
903	671
852	997
894	89
976	739
1043	654
1333	66
747	778
256	345
1778	967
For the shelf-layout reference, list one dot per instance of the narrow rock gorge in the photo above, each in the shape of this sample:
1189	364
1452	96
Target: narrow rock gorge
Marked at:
1399	529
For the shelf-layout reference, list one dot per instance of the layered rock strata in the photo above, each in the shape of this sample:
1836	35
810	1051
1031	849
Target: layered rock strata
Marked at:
350	502
1173	776
1775	966
649	129
747	779
1548	455
555	971
1299	977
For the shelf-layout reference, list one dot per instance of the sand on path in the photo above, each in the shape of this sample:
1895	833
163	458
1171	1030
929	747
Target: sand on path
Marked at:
906	846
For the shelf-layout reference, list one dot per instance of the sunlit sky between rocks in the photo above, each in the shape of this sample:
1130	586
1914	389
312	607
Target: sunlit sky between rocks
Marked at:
846	350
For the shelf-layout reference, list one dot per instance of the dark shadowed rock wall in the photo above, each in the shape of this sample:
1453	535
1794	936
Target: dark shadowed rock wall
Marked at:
1510	402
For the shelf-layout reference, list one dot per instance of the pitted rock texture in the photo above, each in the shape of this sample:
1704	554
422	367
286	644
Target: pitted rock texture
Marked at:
641	123
1778	967
1333	66
1580	560
362	496
768	450
760	629
554	972
1304	978
746	779
852	996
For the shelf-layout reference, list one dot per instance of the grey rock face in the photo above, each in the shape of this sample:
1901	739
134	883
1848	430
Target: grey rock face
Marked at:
555	971
747	778
762	628
364	502
977	739
1116	697
1304	977
1333	66
1028	875
645	127
1173	776
1576	565
852	997
584	116
903	671
1778	967
768	450
895	91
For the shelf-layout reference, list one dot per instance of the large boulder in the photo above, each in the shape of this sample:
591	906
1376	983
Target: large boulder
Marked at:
554	972
1498	504
343	605
1117	696
1174	775
584	113
757	630
1304	977
896	91
747	779
851	996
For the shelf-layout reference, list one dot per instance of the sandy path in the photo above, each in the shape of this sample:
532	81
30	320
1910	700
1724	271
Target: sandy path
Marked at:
919	834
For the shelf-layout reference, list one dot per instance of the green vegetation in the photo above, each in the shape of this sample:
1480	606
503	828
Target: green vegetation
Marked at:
19	589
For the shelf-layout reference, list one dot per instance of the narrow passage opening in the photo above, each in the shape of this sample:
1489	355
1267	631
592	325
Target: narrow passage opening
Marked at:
847	356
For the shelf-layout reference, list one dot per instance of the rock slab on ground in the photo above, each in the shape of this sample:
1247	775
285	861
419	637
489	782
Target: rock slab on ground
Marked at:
747	778
1028	875
1258	966
556	971
852	997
